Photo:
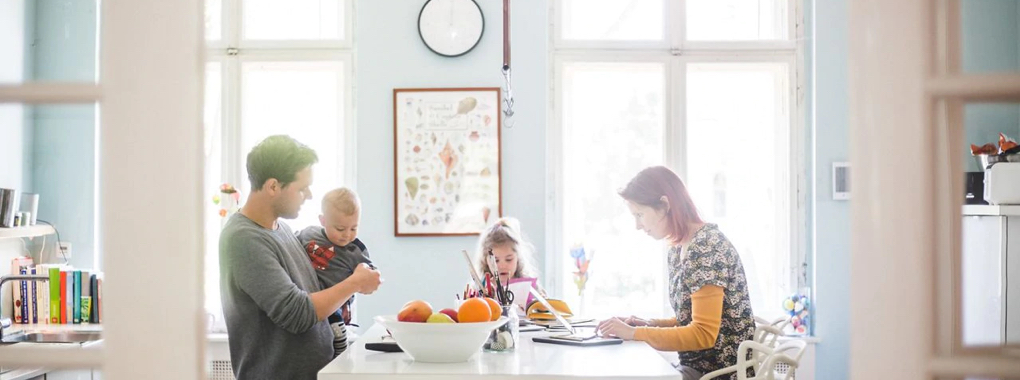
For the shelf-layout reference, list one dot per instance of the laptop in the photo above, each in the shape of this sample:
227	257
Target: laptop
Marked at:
576	337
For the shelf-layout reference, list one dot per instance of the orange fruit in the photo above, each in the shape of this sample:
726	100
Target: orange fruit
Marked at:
474	310
494	308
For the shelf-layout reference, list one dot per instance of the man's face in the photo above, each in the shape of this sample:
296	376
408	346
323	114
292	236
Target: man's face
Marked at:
288	199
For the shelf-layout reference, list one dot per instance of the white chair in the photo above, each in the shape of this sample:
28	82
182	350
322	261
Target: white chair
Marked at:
787	353
768	332
779	323
767	335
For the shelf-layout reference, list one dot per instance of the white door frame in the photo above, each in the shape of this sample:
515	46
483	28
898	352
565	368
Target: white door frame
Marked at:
151	178
906	135
150	191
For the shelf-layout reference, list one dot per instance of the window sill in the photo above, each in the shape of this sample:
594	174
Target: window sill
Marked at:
808	339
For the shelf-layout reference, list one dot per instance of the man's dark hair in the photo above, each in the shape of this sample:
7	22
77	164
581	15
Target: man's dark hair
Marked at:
279	157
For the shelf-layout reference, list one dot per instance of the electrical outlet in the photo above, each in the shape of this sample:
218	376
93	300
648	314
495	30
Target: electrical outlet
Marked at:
64	247
840	181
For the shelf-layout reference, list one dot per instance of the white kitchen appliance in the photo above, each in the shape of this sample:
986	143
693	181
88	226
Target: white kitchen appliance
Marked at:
1002	183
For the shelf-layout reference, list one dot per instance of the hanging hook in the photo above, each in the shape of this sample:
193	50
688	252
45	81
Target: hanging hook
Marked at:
508	99
508	93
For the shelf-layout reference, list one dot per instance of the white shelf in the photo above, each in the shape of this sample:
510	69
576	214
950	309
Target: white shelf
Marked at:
87	327
991	210
28	231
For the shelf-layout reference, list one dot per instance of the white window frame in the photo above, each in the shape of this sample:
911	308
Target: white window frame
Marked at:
232	52
676	54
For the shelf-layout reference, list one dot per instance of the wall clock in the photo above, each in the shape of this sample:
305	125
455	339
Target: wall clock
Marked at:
451	28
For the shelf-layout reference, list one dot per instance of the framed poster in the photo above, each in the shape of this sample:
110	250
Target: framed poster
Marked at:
446	160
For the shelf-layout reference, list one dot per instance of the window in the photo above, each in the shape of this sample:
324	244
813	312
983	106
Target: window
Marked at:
706	87
273	71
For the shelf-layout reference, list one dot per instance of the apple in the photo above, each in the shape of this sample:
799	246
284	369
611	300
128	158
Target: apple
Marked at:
415	311
439	318
452	313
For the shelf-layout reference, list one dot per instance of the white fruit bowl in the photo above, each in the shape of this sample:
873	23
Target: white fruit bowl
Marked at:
439	342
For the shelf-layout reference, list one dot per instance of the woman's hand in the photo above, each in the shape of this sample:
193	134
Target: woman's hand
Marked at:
617	328
635	321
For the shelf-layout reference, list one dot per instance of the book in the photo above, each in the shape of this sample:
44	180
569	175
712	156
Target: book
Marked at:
86	298
22	298
42	295
86	285
33	304
94	312
76	297
63	297
19	289
54	285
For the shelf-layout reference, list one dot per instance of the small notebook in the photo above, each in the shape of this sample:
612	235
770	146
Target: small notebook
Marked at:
570	340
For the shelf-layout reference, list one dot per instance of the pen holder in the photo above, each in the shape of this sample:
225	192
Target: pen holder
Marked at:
505	338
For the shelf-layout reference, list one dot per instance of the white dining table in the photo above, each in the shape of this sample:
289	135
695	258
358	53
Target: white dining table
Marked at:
531	360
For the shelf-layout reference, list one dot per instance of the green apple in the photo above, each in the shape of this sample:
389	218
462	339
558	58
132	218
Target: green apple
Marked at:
439	318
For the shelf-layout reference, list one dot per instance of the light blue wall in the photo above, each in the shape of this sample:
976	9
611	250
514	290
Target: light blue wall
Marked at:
63	148
391	55
830	132
64	157
991	43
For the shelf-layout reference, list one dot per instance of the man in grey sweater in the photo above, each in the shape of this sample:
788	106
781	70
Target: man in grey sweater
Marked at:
275	308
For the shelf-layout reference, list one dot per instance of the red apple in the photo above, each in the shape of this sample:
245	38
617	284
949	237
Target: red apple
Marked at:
452	313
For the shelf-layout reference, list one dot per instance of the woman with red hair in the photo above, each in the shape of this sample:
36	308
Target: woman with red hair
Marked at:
707	286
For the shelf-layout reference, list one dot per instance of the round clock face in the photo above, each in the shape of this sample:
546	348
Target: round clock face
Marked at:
450	27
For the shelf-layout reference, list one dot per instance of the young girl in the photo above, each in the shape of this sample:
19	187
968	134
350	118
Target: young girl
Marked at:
512	252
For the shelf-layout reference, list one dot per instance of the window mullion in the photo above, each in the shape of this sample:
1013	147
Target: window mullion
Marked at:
232	22
676	132
677	24
232	149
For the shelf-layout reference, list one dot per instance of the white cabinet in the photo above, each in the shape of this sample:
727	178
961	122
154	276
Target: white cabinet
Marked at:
991	275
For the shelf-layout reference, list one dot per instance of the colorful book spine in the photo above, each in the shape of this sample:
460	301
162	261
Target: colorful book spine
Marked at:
68	301
77	297
94	292
42	295
54	295
33	304
23	307
63	297
86	298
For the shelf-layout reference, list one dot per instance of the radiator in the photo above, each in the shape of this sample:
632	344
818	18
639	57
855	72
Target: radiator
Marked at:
220	370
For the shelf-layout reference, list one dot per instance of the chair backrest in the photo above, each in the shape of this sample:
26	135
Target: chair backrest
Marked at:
779	323
764	360
788	353
767	334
